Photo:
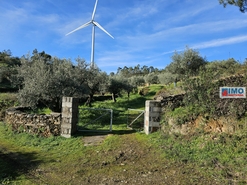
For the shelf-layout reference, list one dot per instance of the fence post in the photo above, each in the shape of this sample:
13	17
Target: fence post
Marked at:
69	116
152	116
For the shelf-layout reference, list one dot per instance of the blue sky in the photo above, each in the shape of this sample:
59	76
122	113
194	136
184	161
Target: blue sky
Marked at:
146	32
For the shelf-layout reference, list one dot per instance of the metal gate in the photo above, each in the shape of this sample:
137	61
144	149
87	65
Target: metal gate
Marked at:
95	119
135	119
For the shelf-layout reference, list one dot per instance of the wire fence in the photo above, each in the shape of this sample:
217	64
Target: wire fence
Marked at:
135	119
95	119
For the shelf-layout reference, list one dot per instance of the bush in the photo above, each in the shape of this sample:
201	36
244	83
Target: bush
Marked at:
167	77
7	100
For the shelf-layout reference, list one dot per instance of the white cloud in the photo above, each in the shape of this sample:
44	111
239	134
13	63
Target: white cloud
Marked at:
221	42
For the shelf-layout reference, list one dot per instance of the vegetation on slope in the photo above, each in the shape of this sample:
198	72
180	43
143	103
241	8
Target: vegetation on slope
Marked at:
124	157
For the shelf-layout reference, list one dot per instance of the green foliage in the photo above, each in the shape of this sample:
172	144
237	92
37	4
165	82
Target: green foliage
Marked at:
202	92
96	118
221	153
120	108
242	4
137	70
7	100
144	91
167	77
115	86
39	111
95	81
216	157
180	115
118	83
152	78
185	64
46	80
7	71
223	68
137	81
170	90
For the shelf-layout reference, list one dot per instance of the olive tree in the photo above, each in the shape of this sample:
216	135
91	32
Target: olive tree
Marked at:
186	63
137	81
96	81
242	4
117	83
46	83
167	77
151	78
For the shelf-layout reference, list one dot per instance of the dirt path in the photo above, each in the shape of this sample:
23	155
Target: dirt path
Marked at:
122	159
133	162
93	140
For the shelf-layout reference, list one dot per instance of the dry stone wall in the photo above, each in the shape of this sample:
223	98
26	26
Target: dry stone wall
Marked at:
226	114
43	125
172	102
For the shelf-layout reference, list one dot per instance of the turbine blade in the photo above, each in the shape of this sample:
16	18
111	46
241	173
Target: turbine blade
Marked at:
97	24
82	26
94	10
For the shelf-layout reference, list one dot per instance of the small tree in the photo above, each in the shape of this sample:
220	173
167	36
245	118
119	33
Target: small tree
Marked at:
96	82
115	86
167	77
152	78
137	81
46	83
186	63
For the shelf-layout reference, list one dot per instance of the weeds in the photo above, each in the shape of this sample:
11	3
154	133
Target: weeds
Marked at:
198	158
223	154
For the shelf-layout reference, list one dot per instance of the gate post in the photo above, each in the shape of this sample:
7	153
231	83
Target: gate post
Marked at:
152	116
69	116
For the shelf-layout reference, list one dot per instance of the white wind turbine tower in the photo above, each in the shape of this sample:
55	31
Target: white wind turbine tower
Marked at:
94	24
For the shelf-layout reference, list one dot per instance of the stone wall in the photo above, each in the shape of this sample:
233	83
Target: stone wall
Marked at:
43	125
56	124
219	125
172	102
226	114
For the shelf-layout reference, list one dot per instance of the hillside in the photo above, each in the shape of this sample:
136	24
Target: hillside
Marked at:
124	156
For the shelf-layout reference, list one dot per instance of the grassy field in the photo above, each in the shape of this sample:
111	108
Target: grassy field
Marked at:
124	156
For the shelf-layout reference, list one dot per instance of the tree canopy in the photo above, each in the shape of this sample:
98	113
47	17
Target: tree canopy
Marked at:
7	69
185	64
242	4
47	82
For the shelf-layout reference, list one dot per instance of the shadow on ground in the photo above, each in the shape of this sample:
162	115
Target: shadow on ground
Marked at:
16	164
102	133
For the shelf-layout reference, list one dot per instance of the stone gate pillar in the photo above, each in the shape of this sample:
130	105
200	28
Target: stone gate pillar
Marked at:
152	116
69	116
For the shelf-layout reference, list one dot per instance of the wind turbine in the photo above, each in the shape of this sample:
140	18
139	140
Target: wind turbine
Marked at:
94	24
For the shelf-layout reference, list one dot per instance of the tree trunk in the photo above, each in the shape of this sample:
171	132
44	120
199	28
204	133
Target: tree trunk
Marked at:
89	100
114	97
